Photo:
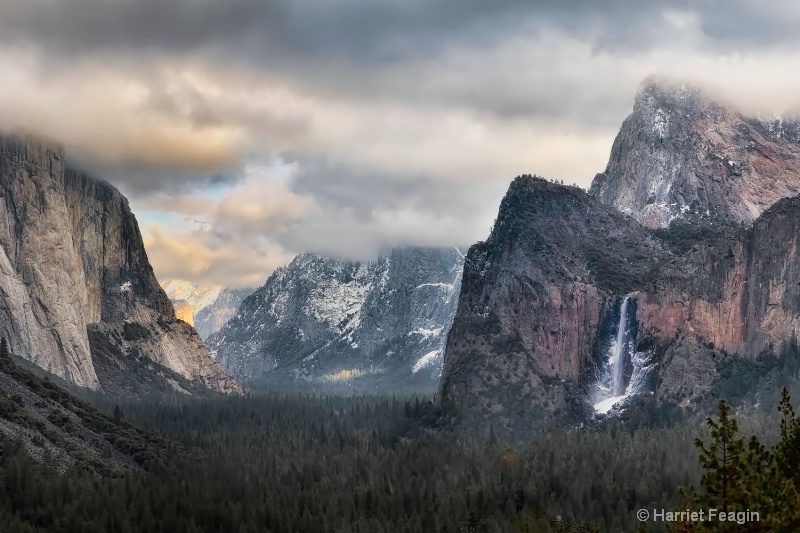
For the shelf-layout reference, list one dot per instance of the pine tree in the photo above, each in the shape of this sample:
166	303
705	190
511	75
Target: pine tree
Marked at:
785	472
724	464
738	477
788	449
4	351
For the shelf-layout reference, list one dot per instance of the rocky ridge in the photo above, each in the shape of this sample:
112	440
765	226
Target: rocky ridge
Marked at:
534	299
682	155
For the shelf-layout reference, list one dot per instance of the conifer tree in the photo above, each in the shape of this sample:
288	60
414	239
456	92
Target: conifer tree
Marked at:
788	449
735	477
723	462
740	478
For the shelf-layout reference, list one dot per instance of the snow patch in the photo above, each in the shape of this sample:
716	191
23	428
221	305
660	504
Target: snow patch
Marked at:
425	361
447	286
427	332
605	406
661	123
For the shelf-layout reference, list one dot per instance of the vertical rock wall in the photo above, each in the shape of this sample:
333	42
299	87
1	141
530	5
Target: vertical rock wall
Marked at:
71	255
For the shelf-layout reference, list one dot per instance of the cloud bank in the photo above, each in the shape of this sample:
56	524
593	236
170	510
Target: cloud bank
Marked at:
349	127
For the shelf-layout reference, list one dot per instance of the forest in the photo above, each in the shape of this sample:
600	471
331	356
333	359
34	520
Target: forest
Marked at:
289	462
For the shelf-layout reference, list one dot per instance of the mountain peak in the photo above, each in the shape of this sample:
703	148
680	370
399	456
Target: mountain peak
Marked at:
324	320
660	89
681	155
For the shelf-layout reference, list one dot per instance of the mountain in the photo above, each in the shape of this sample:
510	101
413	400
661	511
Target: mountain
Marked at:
578	303
322	320
682	155
183	311
208	307
536	301
210	319
79	297
59	429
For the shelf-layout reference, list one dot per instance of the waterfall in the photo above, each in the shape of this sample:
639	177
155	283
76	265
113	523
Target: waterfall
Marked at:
619	350
612	388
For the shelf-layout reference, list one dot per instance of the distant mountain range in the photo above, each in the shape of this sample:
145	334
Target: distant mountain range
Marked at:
207	309
322	321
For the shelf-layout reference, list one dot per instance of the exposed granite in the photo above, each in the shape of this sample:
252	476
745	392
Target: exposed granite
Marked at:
71	256
682	154
538	295
534	297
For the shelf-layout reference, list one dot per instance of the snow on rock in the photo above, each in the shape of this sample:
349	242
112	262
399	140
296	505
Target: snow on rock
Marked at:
427	360
320	315
680	149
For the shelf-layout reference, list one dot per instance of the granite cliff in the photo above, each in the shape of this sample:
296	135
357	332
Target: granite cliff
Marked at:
534	300
682	155
730	298
679	269
74	272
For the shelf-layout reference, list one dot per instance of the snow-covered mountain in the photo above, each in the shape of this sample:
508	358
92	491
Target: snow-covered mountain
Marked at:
326	320
210	319
211	306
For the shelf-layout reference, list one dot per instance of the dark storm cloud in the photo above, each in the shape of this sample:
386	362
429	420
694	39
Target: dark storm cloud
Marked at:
746	24
281	31
407	117
361	49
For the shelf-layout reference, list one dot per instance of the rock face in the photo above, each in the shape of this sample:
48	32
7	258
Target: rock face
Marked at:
737	295
72	258
324	320
566	286
211	318
210	307
534	299
183	311
682	155
681	262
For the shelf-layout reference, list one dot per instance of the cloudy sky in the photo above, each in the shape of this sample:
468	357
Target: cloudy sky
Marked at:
246	131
